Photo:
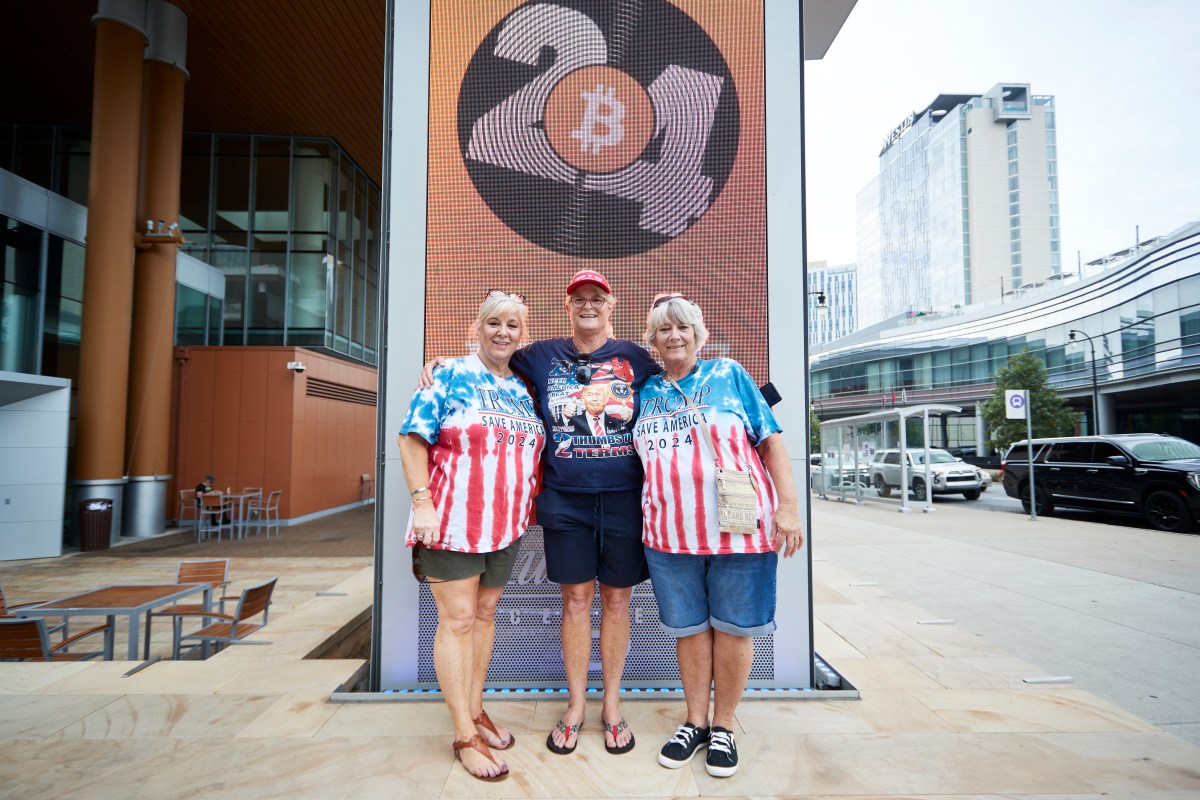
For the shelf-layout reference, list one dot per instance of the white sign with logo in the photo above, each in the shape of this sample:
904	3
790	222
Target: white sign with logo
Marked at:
1015	401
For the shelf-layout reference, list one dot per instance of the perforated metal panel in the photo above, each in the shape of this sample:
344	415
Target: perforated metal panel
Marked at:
527	652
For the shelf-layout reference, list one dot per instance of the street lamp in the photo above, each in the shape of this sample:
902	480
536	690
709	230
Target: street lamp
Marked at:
1095	386
821	305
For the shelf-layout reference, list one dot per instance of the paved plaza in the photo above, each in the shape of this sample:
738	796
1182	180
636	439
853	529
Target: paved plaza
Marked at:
946	710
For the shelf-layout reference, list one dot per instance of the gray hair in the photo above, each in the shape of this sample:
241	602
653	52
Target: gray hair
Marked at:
679	310
500	302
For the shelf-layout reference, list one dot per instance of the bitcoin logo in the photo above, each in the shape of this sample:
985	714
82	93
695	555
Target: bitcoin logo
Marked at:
598	129
598	119
610	119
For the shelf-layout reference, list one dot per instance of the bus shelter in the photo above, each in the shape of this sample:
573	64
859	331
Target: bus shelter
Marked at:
849	444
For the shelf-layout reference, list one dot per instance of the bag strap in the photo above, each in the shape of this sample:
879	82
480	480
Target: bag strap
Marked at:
712	448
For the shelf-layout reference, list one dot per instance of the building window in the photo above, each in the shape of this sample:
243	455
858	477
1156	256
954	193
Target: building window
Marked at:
19	295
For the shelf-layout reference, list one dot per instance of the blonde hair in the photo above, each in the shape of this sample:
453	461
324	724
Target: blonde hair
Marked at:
500	302
677	309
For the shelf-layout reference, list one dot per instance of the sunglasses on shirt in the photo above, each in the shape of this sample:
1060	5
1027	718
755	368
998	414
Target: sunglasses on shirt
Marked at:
583	368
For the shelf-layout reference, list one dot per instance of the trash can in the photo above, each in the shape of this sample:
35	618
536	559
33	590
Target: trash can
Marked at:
95	523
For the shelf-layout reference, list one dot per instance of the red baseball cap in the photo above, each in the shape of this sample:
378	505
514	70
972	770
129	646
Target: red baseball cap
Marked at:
588	276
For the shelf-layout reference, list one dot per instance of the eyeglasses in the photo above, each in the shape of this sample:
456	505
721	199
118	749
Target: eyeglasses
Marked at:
594	302
668	298
520	298
583	368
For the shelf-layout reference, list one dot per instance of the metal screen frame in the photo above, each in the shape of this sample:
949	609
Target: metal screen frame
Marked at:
404	619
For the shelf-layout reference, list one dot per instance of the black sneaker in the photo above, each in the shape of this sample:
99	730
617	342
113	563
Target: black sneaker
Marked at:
683	745
721	761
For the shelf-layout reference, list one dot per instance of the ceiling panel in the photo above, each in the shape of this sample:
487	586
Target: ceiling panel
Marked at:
295	67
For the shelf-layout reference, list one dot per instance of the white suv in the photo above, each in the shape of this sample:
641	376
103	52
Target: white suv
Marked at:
947	474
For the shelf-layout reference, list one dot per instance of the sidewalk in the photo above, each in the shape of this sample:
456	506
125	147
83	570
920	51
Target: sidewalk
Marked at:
945	711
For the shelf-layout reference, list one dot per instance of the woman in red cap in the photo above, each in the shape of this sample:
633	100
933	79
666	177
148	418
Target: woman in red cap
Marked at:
590	503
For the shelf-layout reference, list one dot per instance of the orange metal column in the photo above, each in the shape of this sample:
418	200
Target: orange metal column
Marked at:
108	259
147	427
148	422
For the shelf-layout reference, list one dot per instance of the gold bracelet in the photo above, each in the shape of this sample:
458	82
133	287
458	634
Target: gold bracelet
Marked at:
416	492
419	499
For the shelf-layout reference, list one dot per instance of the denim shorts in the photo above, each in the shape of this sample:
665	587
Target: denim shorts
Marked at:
590	535
733	593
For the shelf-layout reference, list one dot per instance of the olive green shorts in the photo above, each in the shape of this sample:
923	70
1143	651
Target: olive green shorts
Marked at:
494	569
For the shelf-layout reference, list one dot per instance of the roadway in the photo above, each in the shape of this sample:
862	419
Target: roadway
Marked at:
1105	600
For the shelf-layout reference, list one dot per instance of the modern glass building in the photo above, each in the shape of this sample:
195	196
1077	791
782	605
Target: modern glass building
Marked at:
965	206
832	301
1139	316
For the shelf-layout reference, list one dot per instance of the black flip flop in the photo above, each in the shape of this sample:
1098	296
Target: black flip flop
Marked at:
568	732
614	730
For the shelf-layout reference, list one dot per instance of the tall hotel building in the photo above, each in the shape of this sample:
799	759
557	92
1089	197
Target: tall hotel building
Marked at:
965	206
832	301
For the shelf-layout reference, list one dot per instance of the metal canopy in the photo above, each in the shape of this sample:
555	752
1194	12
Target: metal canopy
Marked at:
904	412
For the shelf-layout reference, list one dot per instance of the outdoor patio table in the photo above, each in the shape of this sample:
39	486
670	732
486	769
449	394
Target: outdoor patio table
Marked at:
112	601
240	516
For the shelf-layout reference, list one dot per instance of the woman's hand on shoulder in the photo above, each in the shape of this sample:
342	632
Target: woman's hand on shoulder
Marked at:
426	379
789	536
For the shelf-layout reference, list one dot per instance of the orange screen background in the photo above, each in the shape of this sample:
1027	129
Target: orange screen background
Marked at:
719	262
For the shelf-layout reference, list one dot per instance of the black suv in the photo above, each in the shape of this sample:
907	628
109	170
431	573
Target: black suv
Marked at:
1154	475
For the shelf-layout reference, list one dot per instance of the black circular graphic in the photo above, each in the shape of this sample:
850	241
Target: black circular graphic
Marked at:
598	128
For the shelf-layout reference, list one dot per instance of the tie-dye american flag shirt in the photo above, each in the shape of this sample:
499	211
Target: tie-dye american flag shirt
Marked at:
679	495
485	444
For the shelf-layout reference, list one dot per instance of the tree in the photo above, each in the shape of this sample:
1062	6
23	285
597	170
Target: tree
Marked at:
1051	414
814	431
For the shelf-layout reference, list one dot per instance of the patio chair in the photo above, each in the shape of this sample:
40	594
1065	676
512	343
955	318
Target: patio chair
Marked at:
187	507
266	512
233	627
368	486
28	640
6	613
214	572
216	514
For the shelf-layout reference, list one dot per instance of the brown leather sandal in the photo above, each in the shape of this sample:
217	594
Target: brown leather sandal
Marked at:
480	746
484	721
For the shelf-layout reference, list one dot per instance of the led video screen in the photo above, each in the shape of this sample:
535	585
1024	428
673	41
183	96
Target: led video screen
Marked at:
624	136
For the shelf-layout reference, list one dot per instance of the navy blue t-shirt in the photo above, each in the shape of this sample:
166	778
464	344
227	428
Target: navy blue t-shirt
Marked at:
589	422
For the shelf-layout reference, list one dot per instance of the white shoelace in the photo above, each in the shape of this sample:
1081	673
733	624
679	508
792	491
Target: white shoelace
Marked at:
685	735
721	741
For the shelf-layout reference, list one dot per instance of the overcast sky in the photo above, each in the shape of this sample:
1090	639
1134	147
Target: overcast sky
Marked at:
1126	79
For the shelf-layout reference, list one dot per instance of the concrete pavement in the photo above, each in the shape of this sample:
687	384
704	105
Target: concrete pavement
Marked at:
1115	607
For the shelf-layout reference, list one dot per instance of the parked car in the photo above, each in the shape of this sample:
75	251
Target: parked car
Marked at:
947	474
825	474
985	478
1148	474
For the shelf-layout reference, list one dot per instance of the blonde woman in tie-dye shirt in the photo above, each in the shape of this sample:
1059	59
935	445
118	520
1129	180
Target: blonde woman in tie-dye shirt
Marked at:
471	444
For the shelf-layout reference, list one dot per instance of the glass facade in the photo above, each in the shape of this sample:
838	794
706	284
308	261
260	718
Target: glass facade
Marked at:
1143	317
957	213
292	223
838	285
42	301
22	247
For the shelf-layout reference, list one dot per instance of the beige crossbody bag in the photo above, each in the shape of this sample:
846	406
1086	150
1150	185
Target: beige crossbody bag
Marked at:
737	499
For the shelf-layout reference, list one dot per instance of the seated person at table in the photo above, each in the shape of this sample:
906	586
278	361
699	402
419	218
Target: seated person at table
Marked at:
204	487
